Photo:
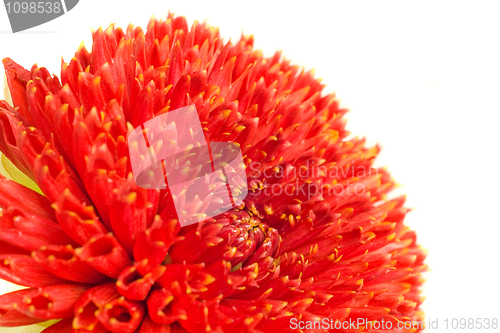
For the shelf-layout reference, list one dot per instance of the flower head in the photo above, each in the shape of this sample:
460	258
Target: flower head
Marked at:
315	239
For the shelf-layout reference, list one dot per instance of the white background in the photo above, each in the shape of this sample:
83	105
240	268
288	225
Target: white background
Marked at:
422	79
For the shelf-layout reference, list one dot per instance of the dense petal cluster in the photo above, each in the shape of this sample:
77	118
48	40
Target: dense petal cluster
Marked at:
105	255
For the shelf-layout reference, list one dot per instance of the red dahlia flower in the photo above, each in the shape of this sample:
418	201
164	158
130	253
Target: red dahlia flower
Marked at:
105	255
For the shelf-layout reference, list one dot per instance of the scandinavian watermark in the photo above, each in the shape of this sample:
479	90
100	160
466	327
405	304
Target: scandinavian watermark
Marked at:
31	13
365	324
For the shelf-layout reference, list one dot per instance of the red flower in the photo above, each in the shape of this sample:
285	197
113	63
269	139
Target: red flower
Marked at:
108	256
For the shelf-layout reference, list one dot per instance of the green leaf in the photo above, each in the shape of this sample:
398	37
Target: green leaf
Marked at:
9	170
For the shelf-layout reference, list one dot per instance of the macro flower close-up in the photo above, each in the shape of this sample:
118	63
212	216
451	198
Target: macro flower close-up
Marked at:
317	238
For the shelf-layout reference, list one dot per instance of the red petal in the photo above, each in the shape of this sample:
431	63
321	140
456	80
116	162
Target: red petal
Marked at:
10	128
87	305
105	254
135	286
13	318
77	219
25	271
121	315
129	216
153	244
54	302
30	232
17	78
149	326
6	248
22	198
62	262
165	308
